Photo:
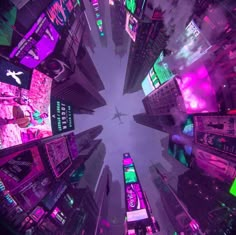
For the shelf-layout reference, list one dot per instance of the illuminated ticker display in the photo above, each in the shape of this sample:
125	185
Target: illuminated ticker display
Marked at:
99	21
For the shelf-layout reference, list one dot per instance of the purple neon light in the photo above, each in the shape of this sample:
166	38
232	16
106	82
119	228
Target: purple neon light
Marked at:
198	93
127	161
31	52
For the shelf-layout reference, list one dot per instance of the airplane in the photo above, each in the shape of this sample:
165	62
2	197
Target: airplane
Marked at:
118	115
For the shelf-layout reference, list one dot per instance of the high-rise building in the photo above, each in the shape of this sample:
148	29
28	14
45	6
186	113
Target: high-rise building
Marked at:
93	164
119	36
165	123
150	40
79	92
87	67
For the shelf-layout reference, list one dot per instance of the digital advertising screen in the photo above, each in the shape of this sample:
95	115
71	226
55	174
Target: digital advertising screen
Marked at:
181	152
131	26
136	215
214	166
127	161
25	114
161	70
197	91
232	189
147	85
59	12
37	44
62	119
188	126
20	167
215	141
14	75
134	197
222	125
130	175
58	155
32	193
194	44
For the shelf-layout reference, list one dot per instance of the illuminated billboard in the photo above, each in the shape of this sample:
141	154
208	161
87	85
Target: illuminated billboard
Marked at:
25	113
37	44
14	75
215	141
59	12
32	193
127	161
222	125
197	91
62	119
131	26
194	44
178	150
214	166
130	174
232	189
135	7
58	155
20	167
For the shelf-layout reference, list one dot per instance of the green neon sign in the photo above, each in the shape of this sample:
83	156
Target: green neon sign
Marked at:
131	5
233	188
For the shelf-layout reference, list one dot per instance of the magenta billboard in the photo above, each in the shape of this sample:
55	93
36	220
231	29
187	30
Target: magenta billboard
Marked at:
59	12
37	44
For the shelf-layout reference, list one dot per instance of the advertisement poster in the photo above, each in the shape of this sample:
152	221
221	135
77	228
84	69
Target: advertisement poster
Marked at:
14	75
32	193
215	166
62	118
58	156
25	114
127	161
222	125
134	197
37	44
20	167
131	26
59	12
225	144
130	175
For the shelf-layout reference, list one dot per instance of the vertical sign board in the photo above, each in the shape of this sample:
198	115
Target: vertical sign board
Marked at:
62	118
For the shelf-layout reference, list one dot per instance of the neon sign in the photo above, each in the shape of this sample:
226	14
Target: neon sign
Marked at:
99	22
131	5
131	26
130	174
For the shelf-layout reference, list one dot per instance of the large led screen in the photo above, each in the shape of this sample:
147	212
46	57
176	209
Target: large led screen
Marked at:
25	114
197	91
130	174
218	142
136	215
59	12
20	167
37	44
131	26
127	161
58	155
32	193
147	85
135	6
194	44
62	118
224	125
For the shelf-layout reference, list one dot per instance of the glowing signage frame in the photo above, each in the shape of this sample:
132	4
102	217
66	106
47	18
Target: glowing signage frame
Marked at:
131	26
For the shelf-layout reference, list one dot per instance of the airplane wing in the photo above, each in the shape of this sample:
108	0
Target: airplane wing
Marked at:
115	116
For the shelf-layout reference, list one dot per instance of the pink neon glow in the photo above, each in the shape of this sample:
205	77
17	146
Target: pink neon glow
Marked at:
55	212
198	93
127	161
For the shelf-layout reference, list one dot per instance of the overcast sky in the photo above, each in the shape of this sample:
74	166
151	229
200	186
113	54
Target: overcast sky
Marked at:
142	142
